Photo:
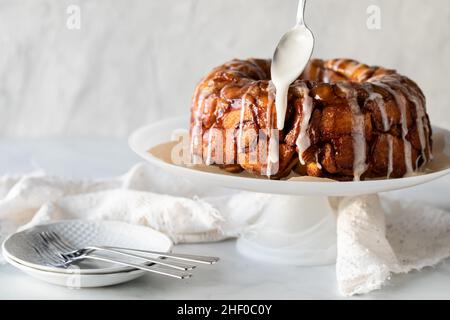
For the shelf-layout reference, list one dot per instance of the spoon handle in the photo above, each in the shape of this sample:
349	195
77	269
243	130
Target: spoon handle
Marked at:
301	12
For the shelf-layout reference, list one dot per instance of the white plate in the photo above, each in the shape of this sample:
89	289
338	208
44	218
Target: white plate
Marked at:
76	280
149	136
82	233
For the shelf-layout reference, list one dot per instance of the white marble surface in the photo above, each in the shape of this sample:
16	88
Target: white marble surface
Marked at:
133	62
235	277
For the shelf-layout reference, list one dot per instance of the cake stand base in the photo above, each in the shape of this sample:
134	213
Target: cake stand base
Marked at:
292	230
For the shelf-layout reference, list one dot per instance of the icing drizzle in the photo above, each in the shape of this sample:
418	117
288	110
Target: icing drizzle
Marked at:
378	99
273	148
303	140
358	132
401	103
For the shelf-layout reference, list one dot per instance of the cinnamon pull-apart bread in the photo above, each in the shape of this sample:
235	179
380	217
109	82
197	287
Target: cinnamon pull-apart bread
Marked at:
345	120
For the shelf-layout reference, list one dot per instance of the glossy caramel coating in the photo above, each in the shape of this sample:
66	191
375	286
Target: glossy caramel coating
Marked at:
237	100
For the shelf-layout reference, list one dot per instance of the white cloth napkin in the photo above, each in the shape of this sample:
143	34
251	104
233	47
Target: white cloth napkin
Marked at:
378	238
374	238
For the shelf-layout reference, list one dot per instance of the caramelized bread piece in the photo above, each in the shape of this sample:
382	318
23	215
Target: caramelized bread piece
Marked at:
364	122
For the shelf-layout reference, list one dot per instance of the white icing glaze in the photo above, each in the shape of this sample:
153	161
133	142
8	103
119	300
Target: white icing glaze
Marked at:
326	78
289	60
273	156
419	104
281	102
241	123
401	103
303	141
430	155
378	99
273	148
319	166
390	156
425	123
419	124
358	133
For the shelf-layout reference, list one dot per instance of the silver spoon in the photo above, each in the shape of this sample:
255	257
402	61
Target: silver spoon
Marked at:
289	60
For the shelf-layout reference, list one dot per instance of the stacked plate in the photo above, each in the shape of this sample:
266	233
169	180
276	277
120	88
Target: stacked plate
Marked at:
18	250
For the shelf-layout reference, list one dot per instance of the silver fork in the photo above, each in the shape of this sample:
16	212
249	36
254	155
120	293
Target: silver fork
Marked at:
68	249
158	254
58	254
50	257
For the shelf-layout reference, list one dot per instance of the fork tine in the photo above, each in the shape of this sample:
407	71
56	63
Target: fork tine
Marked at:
43	254
54	241
42	249
50	241
49	246
61	242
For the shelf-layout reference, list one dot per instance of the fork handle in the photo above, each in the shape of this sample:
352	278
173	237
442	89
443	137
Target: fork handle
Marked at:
178	256
165	272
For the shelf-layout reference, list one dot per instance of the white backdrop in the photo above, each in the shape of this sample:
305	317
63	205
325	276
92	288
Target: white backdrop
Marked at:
136	61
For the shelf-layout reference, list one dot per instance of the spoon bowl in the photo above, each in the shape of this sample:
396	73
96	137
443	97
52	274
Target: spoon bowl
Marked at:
291	56
292	53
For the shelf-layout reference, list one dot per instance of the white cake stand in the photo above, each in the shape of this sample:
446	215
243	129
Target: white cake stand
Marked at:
298	226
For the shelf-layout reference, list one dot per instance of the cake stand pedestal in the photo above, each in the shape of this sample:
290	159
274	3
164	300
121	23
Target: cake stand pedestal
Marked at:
299	230
298	224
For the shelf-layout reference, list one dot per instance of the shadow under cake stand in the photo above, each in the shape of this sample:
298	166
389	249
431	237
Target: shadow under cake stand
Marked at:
298	224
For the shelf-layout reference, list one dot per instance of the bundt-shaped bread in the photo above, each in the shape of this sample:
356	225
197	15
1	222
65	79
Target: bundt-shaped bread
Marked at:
345	121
